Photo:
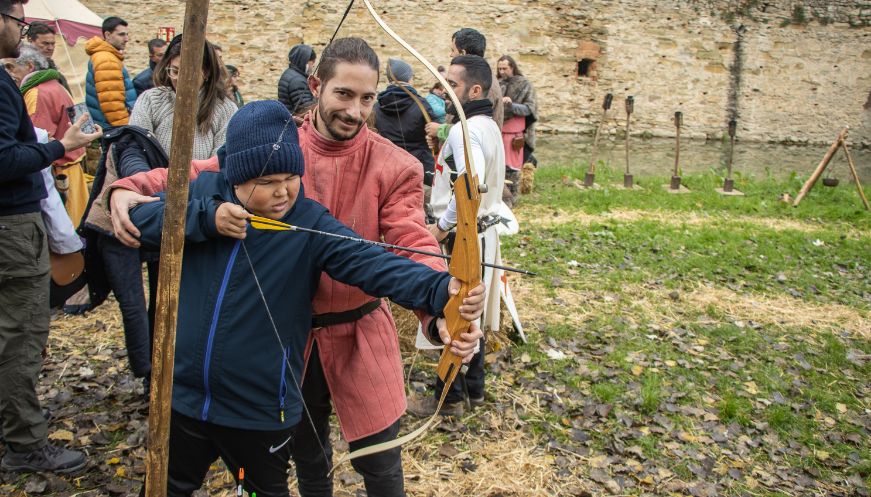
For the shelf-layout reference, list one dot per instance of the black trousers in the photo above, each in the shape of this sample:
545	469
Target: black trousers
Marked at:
381	472
124	270
194	445
474	379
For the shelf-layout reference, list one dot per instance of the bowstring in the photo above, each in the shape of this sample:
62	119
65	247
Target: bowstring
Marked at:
296	381
336	32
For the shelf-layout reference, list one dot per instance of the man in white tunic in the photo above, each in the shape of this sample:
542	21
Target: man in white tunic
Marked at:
471	77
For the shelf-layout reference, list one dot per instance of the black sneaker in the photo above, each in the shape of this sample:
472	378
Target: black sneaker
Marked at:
49	458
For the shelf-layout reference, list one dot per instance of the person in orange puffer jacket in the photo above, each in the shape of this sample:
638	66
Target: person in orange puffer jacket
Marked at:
110	93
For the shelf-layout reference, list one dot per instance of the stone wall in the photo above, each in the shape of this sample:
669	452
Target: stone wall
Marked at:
805	72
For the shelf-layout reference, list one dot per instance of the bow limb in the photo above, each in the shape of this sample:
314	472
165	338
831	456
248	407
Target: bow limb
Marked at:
466	255
465	258
458	107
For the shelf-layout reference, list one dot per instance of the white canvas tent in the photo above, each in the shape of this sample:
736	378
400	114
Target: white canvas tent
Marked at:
74	24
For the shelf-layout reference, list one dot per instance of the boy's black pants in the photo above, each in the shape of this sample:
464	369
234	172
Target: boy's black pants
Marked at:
194	445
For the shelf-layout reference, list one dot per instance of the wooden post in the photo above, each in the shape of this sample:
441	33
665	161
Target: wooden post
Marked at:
630	107
675	176
589	178
820	168
172	245
855	174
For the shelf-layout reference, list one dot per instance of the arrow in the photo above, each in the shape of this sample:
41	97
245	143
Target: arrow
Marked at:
266	224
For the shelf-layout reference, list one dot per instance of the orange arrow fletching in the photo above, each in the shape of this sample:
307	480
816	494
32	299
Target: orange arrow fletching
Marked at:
263	223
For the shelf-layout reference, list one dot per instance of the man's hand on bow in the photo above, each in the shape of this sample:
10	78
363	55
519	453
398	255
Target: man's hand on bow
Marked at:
473	304
463	347
470	310
232	220
120	203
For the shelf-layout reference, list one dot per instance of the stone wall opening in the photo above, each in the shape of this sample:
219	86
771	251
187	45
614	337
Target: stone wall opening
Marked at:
587	55
586	68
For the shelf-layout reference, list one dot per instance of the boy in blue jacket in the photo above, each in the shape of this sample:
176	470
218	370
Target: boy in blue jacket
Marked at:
239	352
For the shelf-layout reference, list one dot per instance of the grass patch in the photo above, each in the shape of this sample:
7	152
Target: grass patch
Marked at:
732	408
651	393
606	392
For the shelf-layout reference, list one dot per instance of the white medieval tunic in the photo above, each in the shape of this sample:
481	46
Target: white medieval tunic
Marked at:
488	157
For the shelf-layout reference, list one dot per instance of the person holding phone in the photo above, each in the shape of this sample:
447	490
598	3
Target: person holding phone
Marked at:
24	267
48	103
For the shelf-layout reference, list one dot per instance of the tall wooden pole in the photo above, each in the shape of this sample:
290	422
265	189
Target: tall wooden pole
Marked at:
675	176
630	107
589	178
172	245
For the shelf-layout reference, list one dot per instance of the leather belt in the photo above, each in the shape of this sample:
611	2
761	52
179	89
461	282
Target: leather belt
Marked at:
349	316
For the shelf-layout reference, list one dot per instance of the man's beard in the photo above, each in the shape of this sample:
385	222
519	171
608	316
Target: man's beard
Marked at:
449	104
335	133
11	51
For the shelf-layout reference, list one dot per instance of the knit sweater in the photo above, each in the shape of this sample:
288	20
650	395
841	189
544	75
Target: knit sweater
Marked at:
154	112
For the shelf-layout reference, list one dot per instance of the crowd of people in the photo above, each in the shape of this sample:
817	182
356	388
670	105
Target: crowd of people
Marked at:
303	311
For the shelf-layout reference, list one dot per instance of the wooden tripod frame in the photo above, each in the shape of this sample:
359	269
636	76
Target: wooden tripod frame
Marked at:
840	142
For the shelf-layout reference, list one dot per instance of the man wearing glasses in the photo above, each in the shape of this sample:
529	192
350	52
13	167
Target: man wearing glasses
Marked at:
110	93
24	269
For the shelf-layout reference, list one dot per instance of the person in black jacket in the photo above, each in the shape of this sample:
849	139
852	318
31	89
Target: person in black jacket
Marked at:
399	117
145	80
293	90
24	267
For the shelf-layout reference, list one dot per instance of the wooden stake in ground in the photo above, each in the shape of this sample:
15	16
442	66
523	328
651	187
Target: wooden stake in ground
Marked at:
630	107
820	168
729	183
172	245
675	176
855	174
590	177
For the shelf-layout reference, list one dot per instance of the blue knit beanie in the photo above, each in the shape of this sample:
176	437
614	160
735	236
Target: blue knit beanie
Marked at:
261	140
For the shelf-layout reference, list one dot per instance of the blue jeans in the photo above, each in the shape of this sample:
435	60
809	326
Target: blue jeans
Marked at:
124	272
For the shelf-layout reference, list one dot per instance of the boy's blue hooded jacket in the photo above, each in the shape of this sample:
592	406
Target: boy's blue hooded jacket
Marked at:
229	367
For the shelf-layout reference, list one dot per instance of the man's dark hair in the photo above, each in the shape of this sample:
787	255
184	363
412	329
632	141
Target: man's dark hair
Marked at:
349	50
470	41
111	23
155	43
38	28
6	5
477	71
